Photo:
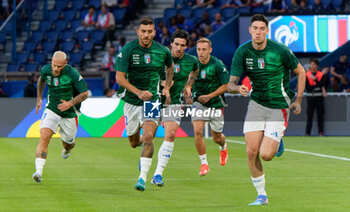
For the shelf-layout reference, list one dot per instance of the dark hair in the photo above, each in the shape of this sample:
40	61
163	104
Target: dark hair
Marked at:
259	17
315	60
146	20
180	34
91	7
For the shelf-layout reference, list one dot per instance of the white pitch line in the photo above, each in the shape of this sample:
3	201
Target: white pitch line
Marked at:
301	152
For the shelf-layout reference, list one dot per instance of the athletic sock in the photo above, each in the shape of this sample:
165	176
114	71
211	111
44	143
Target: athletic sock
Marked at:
164	155
259	184
39	165
203	159
145	165
222	148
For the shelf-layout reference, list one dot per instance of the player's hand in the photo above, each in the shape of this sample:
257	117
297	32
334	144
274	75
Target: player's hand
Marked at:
163	83
189	101
204	99
166	93
38	105
242	89
297	107
187	92
64	105
145	95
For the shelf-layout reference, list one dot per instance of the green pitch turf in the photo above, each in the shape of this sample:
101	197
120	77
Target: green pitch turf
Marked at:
101	173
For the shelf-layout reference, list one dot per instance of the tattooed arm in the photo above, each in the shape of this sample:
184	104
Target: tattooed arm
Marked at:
65	105
41	86
169	78
234	88
191	79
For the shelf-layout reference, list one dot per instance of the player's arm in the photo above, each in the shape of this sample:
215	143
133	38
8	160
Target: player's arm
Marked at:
234	88
65	105
188	86
122	81
169	73
206	98
300	72
40	85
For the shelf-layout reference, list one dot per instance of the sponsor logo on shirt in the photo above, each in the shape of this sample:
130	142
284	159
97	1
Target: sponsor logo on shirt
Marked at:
203	74
147	58
120	55
80	77
48	80
135	59
249	63
176	68
261	63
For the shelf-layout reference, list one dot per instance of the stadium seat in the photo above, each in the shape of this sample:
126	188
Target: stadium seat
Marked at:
76	58
13	67
75	24
82	35
29	46
326	3
87	46
186	12
49	46
198	12
170	12
53	15
258	10
337	4
288	3
37	36
30	67
212	12
52	36
157	20
67	46
44	26
228	13
40	58
119	15
22	57
77	4
3	40
67	35
60	5
95	3
69	15
243	10
60	25
97	36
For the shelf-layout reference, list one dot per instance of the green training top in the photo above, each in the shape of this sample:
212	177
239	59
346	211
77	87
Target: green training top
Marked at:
268	71
142	67
210	77
182	68
66	86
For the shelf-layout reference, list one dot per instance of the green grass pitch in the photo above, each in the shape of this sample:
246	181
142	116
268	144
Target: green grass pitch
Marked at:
101	173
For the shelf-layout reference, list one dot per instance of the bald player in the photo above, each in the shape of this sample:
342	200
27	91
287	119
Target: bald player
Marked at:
66	90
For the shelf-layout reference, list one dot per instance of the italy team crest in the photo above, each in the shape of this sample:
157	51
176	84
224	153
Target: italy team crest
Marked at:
176	68
261	63
147	58
203	74
55	81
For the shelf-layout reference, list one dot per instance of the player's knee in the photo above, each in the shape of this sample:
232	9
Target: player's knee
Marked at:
252	154
133	144
147	136
198	134
217	139
266	156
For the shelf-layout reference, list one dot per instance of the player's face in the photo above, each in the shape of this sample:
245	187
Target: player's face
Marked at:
57	66
146	34
178	47
203	52
258	30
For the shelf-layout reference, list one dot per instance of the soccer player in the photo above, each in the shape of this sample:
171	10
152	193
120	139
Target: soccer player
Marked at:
267	64
185	67
67	89
208	90
138	68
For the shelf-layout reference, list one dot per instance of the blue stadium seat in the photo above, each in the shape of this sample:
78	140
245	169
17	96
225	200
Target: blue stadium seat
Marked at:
97	36
258	10
37	36
69	14
170	12
67	35
60	5
337	4
49	46
52	36
198	12
243	10
75	24
3	39
87	46
186	12
30	67
326	2
44	26
212	12
76	58
60	25
77	4
82	35
83	12
22	57
13	67
119	15
95	3
29	46
53	15
40	58
67	46
288	3
228	13
157	20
